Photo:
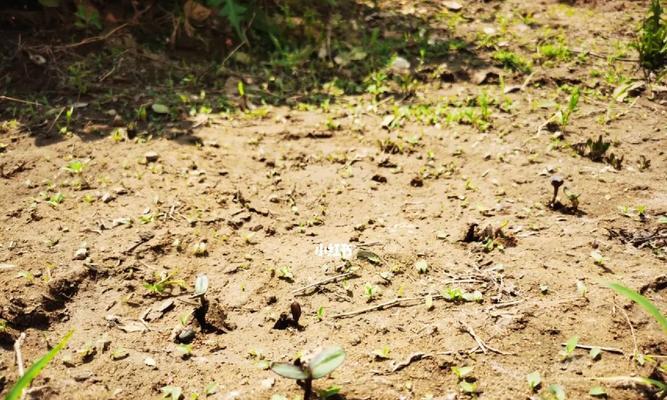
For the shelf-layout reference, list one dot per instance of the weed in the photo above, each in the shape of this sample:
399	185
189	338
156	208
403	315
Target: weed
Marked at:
563	114
651	43
55	199
554	51
467	383
512	61
74	167
318	366
16	392
163	282
370	291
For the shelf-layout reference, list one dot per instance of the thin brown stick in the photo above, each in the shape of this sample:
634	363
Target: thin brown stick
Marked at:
467	328
635	348
324	282
14	99
390	303
603	348
19	356
98	38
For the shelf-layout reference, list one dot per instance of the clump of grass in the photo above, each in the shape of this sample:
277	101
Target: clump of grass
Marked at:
513	61
651	42
554	51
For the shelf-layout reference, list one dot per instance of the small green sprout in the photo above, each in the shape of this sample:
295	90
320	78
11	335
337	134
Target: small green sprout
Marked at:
534	380
172	392
163	282
597	391
320	313
597	258
383	353
55	199
421	266
370	291
570	346
557	391
285	273
319	366
74	167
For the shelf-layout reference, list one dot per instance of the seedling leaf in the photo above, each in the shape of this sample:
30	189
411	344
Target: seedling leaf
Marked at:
288	370
557	391
643	302
36	368
326	361
462	372
571	344
597	391
201	285
534	380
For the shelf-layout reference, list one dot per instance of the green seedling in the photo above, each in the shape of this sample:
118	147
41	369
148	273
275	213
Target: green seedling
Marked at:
330	392
421	266
597	258
462	372
163	282
597	391
172	392
651	43
534	380
595	353
564	113
16	392
467	383
370	291
573	198
285	273
74	167
55	199
382	354
570	346
512	61
320	313
319	366
557	391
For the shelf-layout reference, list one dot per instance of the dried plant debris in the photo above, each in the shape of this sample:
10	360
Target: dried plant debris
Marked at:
655	239
490	237
597	150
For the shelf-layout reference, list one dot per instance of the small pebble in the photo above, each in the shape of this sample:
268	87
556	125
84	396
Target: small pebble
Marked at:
81	253
151	156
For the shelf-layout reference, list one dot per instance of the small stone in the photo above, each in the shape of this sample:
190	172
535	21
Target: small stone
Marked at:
149	361
400	65
120	190
453	5
107	197
102	345
81	253
83	376
187	335
151	156
268	383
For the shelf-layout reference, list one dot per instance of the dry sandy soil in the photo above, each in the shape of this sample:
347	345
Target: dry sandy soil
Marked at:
263	192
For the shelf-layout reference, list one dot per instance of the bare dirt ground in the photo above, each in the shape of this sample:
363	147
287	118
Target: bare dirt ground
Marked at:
261	191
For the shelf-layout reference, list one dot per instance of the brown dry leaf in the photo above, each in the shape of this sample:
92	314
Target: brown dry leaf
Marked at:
195	11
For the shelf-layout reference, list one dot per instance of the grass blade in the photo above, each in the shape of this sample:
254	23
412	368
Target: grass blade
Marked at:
37	367
643	302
